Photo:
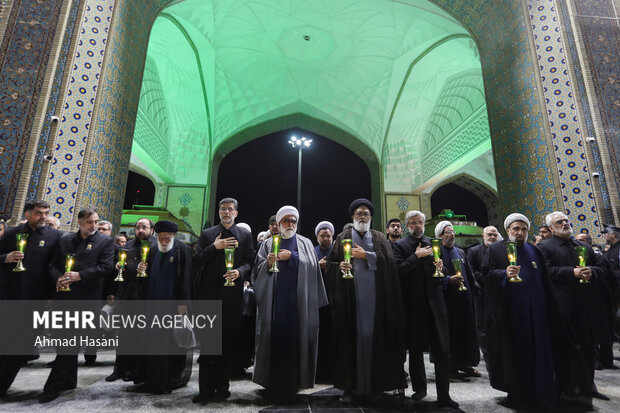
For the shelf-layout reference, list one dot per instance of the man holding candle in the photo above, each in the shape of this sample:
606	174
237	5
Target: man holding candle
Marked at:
459	294
215	284
530	353
425	310
580	289
94	257
169	266
133	288
34	282
367	310
287	324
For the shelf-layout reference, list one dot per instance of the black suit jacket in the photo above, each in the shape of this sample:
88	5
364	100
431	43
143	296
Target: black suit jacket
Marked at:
475	256
34	283
210	266
422	294
94	260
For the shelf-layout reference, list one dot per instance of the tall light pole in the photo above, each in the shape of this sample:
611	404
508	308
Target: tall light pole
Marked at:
302	144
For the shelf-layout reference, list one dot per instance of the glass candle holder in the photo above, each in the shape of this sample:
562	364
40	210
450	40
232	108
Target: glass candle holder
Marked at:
436	246
511	252
22	242
456	262
347	246
229	257
582	253
145	248
122	261
275	248
69	264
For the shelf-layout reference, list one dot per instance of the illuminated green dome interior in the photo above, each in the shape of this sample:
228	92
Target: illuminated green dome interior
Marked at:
403	78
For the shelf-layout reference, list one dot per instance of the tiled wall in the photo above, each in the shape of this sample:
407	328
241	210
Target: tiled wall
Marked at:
75	117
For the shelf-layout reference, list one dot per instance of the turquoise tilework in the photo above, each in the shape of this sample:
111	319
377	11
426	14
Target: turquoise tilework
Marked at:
568	142
64	177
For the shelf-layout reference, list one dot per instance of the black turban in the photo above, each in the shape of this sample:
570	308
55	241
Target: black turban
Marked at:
361	202
166	226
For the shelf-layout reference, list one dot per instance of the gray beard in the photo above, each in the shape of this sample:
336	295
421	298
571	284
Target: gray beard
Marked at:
166	248
288	233
361	227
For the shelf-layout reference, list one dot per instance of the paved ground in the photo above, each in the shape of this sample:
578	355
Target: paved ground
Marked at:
94	394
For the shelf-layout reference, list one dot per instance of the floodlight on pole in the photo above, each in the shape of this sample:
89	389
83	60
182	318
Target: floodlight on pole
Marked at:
301	144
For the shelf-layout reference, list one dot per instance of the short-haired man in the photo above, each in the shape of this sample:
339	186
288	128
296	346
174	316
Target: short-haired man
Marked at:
582	304
93	261
475	256
32	284
464	350
425	309
528	353
273	226
215	371
53	222
105	227
612	238
394	230
545	232
367	311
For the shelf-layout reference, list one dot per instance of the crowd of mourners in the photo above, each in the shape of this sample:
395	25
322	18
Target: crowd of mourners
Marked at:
358	310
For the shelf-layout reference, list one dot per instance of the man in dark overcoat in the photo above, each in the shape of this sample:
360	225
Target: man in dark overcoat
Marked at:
425	309
578	289
94	259
34	283
214	372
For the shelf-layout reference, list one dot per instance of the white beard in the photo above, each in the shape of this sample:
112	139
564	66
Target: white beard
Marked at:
166	248
288	232
361	227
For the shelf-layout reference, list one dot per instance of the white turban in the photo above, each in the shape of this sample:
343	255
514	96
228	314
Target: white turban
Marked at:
516	217
261	235
286	210
244	226
440	227
323	225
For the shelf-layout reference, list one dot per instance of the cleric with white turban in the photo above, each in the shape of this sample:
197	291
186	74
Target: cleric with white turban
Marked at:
440	227
288	303
516	217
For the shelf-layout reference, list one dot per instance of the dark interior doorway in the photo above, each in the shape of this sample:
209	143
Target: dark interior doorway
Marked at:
461	201
140	191
262	176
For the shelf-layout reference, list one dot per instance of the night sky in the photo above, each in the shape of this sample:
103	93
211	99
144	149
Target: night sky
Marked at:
262	176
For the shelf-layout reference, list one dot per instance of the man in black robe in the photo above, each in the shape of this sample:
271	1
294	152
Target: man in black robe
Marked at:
367	311
214	374
475	256
132	288
324	232
169	269
425	309
578	289
32	284
459	291
93	261
531	353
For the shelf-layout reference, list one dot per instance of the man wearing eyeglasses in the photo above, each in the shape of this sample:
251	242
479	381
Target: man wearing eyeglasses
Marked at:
214	372
287	323
367	311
